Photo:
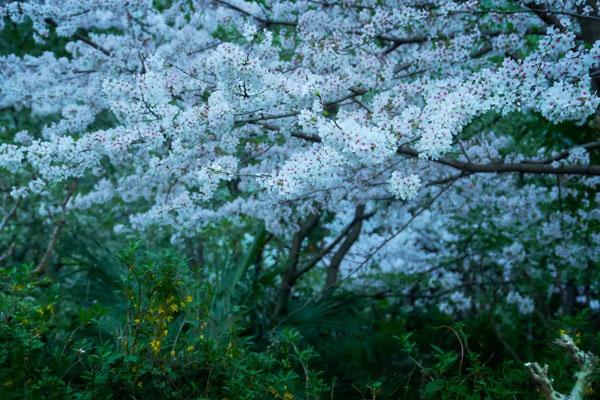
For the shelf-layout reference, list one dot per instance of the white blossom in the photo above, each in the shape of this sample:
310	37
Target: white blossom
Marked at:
404	187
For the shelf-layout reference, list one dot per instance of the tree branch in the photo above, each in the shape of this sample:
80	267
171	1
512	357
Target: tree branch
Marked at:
564	154
265	21
524	167
353	234
546	16
289	277
324	251
82	38
586	361
353	93
43	264
10	214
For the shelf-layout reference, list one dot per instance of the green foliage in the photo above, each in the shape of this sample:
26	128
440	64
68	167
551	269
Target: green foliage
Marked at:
19	39
157	326
372	350
157	340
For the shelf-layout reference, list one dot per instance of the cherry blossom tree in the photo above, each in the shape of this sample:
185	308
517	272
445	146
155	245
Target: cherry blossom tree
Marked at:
385	125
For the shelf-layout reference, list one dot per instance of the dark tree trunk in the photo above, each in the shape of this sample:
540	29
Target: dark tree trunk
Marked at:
333	269
289	277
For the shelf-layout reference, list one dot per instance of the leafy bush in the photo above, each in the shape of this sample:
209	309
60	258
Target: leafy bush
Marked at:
163	333
159	340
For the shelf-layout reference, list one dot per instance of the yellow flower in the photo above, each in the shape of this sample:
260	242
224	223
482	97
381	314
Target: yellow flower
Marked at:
190	348
562	332
172	353
189	298
174	307
165	332
155	345
288	396
137	321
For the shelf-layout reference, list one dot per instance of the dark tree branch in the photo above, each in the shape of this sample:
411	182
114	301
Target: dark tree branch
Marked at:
289	277
43	264
563	154
325	250
524	167
10	214
397	42
83	39
546	16
414	216
353	234
262	117
264	21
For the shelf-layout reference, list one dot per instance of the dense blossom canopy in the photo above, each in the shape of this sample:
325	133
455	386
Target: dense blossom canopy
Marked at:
405	116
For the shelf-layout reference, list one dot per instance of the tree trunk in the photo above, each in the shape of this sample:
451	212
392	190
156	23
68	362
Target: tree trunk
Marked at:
290	275
333	270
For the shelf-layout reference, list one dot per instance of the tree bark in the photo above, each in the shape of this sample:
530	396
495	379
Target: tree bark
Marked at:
334	266
289	277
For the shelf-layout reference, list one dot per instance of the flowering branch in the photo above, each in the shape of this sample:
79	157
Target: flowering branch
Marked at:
525	167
